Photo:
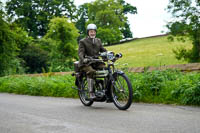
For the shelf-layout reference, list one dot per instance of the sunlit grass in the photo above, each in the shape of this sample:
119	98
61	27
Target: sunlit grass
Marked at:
156	51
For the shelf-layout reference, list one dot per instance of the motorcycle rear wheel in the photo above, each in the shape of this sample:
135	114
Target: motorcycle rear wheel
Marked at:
122	92
84	93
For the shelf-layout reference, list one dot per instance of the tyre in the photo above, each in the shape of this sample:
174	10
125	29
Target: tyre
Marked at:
84	93
122	92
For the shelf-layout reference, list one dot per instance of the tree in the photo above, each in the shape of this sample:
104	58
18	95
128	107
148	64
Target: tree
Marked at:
63	35
82	18
7	46
36	59
126	31
127	8
34	15
12	40
186	23
107	15
109	36
21	37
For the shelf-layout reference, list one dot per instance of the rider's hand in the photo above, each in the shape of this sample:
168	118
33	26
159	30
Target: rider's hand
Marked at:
85	60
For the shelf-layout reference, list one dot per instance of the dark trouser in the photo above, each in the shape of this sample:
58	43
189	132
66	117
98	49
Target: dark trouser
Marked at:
91	69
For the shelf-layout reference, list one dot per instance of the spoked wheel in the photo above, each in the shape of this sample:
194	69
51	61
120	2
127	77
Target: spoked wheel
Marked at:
84	93
122	92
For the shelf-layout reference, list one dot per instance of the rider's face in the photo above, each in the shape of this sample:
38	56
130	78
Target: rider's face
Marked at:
92	33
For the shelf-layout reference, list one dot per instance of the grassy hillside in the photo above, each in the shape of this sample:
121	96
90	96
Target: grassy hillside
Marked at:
155	51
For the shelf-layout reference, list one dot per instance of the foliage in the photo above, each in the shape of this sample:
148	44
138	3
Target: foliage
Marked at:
169	86
52	59
12	40
57	86
63	47
36	59
54	52
186	23
108	15
183	53
34	15
82	18
7	47
21	37
64	34
1	9
127	8
86	10
22	41
126	31
109	36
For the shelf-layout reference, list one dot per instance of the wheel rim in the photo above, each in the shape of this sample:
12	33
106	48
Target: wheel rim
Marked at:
120	91
84	92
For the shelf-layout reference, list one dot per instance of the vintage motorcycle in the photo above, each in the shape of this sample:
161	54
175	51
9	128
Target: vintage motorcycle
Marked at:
111	85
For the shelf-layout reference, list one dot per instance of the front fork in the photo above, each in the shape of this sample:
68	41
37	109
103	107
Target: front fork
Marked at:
113	78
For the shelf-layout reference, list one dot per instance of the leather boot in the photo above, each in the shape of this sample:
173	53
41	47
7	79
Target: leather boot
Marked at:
90	87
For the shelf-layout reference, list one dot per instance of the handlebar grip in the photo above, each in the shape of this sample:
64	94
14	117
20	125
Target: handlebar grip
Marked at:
119	55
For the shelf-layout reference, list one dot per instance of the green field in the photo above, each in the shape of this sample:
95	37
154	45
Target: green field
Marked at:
155	51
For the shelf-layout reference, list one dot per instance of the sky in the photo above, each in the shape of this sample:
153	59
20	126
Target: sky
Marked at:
150	20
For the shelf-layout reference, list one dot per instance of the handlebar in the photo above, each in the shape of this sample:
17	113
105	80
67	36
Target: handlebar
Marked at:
105	57
97	60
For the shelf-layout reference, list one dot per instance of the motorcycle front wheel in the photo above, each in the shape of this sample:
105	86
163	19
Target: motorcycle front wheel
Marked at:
84	93
122	92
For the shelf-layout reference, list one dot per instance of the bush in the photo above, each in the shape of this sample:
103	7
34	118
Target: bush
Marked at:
182	53
36	59
170	86
57	86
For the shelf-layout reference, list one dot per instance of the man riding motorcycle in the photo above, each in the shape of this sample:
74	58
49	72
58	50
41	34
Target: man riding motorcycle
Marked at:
90	47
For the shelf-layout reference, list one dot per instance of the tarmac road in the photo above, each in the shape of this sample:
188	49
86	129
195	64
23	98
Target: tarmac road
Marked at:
30	114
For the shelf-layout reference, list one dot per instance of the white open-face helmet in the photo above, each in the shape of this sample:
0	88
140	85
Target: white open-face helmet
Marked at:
91	27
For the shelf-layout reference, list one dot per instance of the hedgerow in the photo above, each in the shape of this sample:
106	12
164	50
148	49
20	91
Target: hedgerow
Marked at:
169	87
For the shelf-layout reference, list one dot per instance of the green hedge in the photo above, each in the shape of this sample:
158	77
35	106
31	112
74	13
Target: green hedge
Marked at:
57	86
169	87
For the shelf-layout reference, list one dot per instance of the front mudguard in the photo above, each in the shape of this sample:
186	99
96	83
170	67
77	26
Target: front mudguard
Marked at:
116	73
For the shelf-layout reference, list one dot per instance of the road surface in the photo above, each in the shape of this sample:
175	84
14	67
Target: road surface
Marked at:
31	114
